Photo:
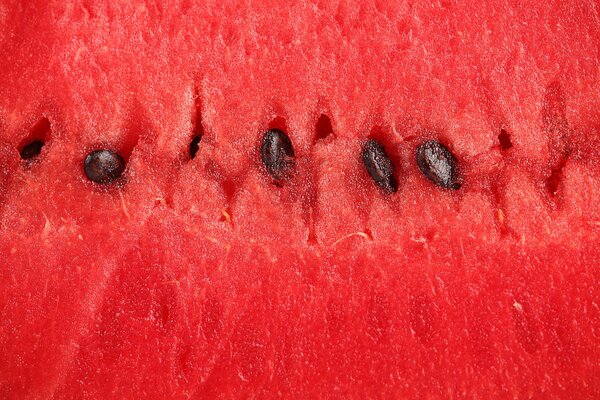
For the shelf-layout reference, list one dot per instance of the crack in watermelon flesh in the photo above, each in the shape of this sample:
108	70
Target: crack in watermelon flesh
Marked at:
199	278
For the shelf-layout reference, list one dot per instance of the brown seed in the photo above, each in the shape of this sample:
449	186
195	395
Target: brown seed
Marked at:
438	164
103	166
277	154
379	166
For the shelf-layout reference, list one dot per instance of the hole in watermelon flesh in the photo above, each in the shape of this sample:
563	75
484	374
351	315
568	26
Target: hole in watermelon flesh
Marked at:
323	127
228	189
504	139
31	147
379	133
553	181
498	190
278	123
312	235
198	128
194	146
126	147
197	117
32	150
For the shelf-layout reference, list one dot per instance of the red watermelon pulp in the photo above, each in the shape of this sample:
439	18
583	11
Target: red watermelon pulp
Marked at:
200	277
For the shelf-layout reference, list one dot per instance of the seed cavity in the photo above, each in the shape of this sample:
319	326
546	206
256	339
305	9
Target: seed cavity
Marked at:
103	166
504	139
323	127
32	150
277	154
195	146
379	166
198	128
39	134
438	164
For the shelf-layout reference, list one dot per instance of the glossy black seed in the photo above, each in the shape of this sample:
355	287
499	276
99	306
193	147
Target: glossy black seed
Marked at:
277	154
195	146
32	150
438	164
103	166
379	166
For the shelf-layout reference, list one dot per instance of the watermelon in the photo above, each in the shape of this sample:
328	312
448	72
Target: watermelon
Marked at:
312	199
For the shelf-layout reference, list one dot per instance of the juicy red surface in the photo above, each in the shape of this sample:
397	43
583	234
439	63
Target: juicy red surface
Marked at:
200	278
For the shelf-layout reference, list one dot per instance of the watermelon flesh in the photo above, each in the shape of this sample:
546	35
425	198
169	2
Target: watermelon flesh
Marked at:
201	278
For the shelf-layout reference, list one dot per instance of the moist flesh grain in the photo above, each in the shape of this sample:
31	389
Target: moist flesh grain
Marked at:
194	275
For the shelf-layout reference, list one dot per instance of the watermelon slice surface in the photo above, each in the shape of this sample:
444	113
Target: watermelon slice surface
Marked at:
195	275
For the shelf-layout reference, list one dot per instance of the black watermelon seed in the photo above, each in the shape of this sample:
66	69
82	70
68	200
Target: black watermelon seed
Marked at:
277	154
32	149
438	164
103	166
195	146
379	166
